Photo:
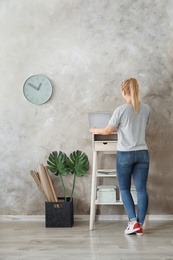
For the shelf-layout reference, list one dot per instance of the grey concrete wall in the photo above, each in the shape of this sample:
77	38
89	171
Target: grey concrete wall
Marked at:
86	48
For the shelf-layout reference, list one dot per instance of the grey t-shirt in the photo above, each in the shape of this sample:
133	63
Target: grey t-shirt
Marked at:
131	127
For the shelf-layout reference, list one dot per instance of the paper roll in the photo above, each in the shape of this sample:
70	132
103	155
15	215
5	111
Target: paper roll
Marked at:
45	182
51	185
37	181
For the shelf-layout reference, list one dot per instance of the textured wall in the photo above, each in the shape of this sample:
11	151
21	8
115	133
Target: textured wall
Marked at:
86	48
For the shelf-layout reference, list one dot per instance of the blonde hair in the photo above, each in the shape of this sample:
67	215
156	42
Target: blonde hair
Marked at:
132	89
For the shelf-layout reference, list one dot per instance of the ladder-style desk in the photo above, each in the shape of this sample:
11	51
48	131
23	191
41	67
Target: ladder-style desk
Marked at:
106	144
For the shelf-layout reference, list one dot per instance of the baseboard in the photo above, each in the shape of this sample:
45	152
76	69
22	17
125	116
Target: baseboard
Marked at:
80	217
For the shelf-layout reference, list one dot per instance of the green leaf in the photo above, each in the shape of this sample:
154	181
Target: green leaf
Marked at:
78	163
57	163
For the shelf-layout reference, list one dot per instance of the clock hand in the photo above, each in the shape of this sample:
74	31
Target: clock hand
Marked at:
31	85
39	86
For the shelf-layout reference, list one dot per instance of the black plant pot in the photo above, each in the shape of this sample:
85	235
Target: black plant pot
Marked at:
59	214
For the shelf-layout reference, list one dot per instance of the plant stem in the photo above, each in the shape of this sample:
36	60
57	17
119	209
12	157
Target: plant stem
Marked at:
63	187
74	180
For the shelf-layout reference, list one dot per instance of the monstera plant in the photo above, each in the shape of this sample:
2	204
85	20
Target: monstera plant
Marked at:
60	164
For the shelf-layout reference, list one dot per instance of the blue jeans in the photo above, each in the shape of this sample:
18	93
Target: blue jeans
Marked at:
133	164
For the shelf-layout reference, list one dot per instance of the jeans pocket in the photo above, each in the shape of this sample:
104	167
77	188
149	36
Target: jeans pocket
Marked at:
144	155
124	158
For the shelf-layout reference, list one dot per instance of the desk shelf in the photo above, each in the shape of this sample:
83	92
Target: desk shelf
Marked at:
106	173
101	175
108	204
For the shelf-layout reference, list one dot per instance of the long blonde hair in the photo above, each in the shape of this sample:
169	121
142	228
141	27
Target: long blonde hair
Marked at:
132	89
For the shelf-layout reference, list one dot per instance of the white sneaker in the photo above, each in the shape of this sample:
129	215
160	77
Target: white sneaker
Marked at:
132	228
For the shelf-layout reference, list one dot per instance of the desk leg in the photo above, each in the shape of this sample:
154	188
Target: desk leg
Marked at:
93	191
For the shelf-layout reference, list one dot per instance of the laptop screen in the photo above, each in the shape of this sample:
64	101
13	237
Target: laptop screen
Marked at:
98	119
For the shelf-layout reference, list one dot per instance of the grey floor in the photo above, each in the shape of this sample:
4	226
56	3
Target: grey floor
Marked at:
31	240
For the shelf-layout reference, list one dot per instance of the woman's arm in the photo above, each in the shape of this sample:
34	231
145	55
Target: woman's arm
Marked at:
103	131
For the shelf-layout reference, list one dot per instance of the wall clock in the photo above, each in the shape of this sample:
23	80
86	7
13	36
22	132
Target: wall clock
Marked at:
37	89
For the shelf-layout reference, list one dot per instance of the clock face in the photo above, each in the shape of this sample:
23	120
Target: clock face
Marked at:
37	89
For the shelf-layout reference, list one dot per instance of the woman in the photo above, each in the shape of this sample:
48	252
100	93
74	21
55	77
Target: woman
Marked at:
132	157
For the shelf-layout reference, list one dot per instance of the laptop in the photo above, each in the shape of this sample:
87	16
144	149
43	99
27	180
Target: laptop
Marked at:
99	119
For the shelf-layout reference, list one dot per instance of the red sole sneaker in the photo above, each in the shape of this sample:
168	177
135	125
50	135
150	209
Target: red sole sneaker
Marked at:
139	232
